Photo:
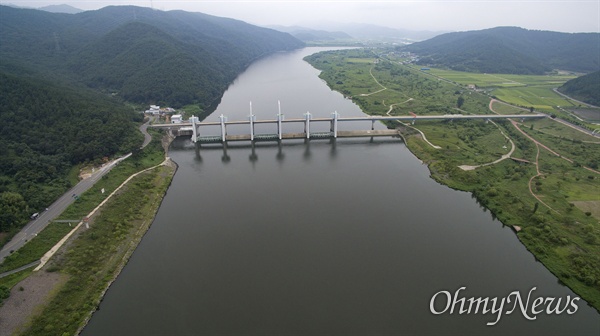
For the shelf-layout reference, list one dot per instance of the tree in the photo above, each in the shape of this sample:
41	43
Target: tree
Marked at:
13	209
460	101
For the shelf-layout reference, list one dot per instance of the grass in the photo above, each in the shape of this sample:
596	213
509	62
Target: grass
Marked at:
542	98
96	257
38	246
593	207
500	80
562	236
558	130
522	90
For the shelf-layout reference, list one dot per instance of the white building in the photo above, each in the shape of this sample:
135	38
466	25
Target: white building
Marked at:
176	119
154	110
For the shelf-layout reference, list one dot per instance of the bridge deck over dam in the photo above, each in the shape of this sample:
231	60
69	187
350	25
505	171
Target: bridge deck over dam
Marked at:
193	128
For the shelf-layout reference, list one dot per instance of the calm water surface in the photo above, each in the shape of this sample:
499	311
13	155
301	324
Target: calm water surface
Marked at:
347	237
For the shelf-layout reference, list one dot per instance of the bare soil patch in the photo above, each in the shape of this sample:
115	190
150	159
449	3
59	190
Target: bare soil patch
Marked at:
589	206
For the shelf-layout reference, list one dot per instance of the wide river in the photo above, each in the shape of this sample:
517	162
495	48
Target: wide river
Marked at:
350	237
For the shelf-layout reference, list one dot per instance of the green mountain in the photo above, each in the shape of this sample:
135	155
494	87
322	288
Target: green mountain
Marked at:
64	79
585	88
143	55
47	128
510	50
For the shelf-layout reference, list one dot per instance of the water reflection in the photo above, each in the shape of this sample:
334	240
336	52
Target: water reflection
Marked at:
197	150
280	155
225	158
307	153
333	151
253	157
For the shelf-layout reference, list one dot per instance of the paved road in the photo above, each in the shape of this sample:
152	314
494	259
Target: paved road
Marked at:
45	217
573	99
22	268
144	130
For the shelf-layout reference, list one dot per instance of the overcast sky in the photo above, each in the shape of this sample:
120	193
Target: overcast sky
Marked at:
448	15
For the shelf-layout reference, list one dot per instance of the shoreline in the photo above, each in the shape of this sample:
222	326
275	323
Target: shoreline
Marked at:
32	298
139	235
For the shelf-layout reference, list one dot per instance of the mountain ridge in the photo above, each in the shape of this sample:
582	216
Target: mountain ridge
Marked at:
585	88
55	43
511	50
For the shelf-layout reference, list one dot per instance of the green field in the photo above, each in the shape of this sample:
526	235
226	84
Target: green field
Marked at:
542	98
484	80
560	131
522	90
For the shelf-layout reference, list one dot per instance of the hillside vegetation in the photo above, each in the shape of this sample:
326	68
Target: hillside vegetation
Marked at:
142	55
510	50
67	82
46	129
585	88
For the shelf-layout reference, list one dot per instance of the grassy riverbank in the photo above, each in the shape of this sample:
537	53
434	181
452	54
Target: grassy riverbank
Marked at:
97	256
541	193
92	259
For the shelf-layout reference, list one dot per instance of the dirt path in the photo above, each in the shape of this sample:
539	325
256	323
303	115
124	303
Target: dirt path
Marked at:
392	106
383	88
516	125
502	158
537	156
58	245
537	168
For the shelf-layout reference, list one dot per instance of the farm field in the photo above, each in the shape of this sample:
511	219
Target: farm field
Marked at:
501	80
522	90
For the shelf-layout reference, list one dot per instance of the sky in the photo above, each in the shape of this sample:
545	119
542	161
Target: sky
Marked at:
434	15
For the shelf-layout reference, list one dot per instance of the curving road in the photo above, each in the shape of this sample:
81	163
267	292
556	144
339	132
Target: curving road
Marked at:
144	130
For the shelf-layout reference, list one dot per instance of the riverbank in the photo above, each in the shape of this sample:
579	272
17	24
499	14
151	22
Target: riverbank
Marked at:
63	295
561	236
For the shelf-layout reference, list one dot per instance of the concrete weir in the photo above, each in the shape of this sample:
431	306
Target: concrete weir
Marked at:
193	127
284	136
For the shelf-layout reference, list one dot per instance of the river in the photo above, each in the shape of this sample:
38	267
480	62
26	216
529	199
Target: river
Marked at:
346	237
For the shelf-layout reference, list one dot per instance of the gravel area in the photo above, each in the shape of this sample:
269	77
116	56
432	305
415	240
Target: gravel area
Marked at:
19	307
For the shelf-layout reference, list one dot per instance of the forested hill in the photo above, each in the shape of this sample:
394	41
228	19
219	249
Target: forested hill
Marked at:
143	55
45	129
511	50
65	79
585	88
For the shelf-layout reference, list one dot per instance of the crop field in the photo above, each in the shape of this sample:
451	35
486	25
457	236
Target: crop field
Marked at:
500	80
522	90
479	79
540	97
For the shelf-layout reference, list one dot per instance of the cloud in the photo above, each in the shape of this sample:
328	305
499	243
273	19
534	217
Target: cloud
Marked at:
557	15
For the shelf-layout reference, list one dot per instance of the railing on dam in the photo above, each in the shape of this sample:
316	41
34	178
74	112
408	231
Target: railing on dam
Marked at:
194	128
